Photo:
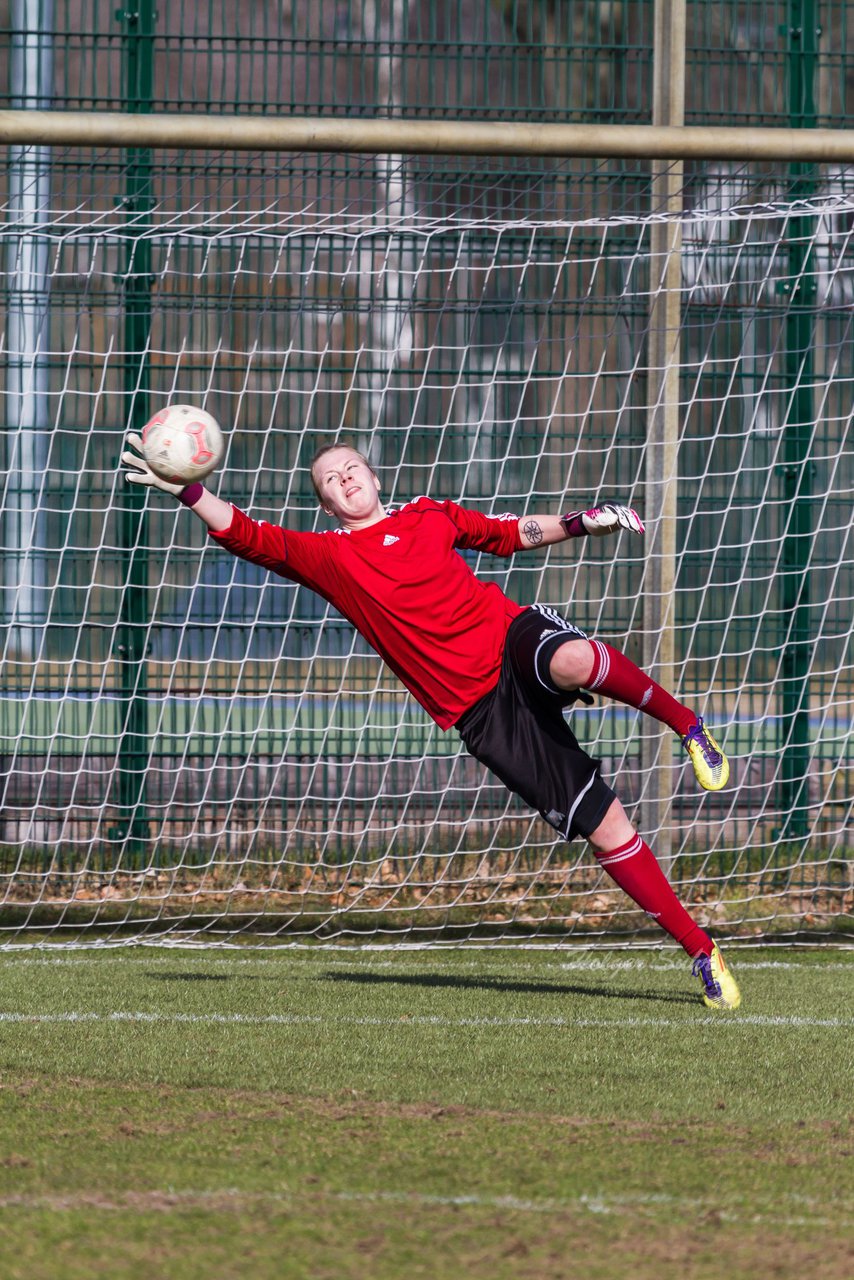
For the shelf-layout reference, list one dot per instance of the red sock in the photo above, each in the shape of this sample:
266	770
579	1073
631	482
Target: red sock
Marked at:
636	871
617	676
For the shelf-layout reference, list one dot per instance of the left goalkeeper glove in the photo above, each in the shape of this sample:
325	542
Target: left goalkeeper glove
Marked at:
598	521
140	472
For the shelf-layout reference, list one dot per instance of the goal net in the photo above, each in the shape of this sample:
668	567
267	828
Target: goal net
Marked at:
193	749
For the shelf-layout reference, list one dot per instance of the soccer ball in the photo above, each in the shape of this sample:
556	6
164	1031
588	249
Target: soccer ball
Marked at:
182	443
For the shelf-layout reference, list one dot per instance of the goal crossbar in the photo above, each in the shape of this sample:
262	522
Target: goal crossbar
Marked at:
421	137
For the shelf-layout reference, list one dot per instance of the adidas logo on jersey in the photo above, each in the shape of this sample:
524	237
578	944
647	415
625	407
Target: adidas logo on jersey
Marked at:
389	539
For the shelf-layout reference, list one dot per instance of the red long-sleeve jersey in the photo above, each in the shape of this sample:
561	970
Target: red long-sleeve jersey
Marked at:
406	590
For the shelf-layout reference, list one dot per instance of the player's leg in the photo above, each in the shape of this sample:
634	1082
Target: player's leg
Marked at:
518	731
630	862
594	665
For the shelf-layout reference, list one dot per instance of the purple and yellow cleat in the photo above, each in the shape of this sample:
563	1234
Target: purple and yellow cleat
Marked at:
710	764
720	989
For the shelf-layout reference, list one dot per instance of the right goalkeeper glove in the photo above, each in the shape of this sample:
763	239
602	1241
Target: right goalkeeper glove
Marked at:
141	473
610	517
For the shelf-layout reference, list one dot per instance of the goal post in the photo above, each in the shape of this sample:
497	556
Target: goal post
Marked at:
664	360
192	749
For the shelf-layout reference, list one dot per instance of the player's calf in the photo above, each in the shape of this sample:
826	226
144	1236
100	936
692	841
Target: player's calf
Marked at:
614	674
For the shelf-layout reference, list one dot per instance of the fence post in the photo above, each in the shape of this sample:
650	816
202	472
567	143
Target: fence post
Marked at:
796	469
131	637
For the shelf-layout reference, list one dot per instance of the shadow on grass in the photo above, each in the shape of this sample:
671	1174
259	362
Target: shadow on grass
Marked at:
178	976
509	984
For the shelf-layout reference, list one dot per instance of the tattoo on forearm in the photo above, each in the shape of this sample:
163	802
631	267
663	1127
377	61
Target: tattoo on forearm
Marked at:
533	532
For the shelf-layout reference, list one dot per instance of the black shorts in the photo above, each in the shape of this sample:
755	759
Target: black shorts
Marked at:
518	731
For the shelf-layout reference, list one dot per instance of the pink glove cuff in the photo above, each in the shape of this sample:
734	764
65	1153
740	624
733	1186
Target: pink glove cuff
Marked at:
191	494
573	525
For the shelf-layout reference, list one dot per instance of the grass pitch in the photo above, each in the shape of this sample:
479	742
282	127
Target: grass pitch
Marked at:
470	1113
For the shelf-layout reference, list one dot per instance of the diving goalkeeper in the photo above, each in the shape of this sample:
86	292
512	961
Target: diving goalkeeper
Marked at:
499	673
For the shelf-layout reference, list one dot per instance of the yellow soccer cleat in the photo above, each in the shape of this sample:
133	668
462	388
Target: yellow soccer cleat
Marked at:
710	764
720	989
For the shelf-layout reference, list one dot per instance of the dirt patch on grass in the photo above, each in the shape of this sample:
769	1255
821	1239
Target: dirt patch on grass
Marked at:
494	1238
166	1109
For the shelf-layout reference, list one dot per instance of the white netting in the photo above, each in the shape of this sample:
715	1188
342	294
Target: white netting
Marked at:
190	747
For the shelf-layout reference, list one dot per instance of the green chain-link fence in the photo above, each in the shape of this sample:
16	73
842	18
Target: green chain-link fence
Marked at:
83	625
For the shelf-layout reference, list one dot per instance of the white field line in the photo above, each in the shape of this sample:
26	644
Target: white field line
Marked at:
169	1199
592	964
728	1020
598	1204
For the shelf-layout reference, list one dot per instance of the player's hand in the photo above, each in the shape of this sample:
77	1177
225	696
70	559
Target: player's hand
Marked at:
609	518
139	472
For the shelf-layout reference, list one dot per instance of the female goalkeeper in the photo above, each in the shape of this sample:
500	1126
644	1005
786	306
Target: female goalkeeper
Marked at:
499	673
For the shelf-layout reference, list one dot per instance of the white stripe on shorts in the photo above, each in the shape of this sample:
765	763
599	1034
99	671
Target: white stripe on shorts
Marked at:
561	623
582	793
551	615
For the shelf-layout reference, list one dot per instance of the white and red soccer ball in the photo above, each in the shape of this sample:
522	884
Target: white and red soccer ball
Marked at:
182	443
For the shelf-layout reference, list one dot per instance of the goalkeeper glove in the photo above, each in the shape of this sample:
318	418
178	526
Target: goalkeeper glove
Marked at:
140	472
598	521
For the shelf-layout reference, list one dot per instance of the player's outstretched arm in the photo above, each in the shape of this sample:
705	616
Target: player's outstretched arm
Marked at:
216	514
610	517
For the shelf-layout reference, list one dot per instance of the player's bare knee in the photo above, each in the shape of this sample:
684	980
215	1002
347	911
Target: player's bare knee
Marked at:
613	831
571	664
